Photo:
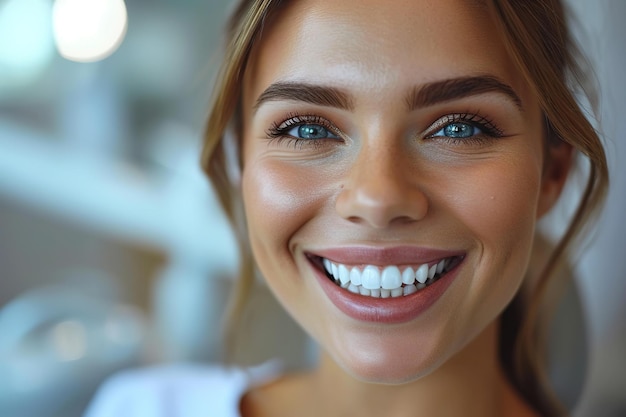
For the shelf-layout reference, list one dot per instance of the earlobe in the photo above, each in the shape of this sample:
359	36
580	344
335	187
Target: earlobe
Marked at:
559	159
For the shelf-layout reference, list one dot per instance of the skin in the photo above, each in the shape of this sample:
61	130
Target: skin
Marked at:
386	181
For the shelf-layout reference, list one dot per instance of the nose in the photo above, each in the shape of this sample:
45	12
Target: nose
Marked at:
382	188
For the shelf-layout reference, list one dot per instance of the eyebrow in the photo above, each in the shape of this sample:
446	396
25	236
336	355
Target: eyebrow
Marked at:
308	93
456	88
421	96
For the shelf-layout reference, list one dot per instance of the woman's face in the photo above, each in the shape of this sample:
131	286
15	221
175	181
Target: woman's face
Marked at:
384	141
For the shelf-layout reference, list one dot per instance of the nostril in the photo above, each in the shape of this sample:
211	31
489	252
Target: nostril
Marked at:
406	219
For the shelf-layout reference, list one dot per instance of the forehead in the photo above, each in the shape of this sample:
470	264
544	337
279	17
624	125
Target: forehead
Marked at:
379	47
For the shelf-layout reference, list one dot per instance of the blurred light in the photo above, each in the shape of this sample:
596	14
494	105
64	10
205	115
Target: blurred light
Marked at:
26	46
88	30
69	340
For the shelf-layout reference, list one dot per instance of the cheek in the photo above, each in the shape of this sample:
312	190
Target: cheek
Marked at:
281	203
498	205
278	201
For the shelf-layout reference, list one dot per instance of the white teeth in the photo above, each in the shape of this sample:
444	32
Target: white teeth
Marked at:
421	275
390	278
344	275
385	283
327	266
432	271
397	292
409	289
440	266
408	276
370	278
355	276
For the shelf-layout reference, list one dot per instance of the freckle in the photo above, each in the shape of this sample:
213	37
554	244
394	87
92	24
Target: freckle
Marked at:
492	197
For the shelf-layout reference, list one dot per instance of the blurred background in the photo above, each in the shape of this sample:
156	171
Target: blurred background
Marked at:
113	250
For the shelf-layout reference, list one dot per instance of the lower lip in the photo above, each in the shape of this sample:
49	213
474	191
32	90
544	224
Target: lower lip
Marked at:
386	310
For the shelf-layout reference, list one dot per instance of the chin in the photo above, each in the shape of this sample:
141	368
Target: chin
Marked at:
371	368
391	359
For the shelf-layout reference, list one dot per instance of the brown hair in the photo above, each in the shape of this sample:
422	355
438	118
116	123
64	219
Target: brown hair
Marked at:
537	37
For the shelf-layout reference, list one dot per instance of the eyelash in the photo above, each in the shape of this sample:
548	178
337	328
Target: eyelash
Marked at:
279	131
487	126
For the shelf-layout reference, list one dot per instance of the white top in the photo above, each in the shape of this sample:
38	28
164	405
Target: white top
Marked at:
179	391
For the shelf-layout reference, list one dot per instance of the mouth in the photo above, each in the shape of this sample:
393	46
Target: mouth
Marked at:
385	285
389	281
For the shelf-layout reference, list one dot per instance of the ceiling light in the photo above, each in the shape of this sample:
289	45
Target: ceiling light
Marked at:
88	30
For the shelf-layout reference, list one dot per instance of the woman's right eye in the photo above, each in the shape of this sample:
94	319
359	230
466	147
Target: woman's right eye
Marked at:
300	130
311	131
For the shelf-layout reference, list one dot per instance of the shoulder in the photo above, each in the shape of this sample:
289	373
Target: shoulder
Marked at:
175	390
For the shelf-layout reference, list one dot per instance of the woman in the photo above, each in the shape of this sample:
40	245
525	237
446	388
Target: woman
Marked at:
392	160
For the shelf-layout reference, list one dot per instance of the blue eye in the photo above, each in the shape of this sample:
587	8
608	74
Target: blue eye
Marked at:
458	130
311	131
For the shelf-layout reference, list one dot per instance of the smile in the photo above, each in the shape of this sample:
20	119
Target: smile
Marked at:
388	281
385	285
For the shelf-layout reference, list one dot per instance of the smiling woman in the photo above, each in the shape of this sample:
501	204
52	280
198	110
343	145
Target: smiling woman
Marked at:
392	161
435	165
393	171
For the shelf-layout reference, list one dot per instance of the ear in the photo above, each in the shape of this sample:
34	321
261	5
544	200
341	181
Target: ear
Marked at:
559	157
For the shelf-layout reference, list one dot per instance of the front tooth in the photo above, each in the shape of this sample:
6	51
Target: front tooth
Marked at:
408	276
353	288
421	275
409	289
431	271
391	278
375	293
344	275
370	278
334	270
355	276
397	292
440	266
327	266
364	291
385	293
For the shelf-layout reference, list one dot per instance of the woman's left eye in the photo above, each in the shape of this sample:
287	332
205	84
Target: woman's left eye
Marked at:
311	131
458	130
464	128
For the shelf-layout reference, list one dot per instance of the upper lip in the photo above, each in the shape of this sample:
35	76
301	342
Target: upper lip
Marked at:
397	255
